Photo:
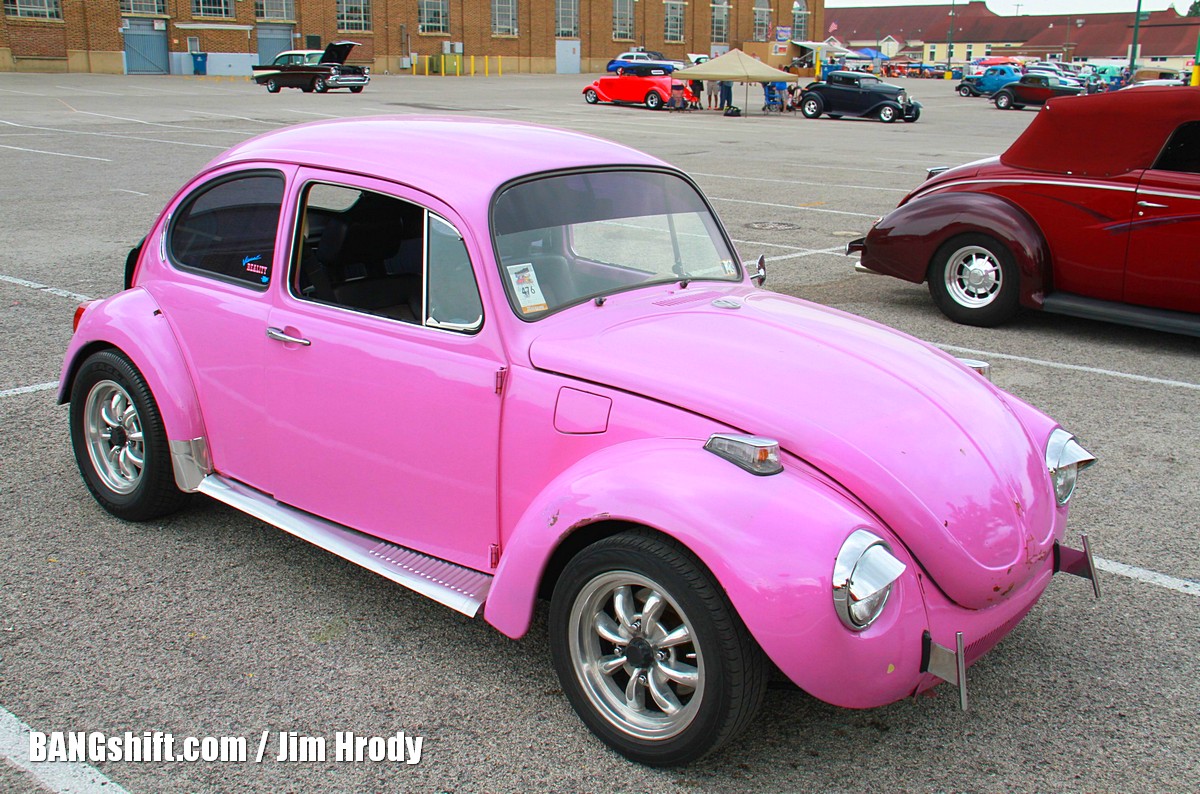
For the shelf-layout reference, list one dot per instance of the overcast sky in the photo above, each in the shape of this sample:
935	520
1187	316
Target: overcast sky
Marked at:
1010	7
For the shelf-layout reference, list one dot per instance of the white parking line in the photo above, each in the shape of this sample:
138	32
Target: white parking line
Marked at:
56	154
113	135
60	776
1185	586
1073	367
797	182
28	389
62	293
164	124
796	207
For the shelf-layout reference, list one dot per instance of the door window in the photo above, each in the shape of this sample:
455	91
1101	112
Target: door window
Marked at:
377	254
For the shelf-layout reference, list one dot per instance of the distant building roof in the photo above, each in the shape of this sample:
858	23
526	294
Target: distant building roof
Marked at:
1163	34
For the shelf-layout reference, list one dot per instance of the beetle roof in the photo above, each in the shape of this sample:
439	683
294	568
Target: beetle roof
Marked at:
457	159
1054	141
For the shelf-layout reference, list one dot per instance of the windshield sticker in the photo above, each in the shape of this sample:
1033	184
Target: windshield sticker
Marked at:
729	267
525	284
253	265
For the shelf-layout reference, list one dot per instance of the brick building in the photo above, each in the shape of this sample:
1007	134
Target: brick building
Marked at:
565	36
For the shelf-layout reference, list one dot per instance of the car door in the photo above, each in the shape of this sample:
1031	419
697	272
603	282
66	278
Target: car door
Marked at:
840	94
1034	89
225	243
383	399
1163	264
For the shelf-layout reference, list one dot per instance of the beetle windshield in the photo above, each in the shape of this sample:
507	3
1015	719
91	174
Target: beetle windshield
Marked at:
568	238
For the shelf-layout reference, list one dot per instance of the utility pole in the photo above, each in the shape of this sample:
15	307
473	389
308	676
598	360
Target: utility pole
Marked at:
1133	51
950	41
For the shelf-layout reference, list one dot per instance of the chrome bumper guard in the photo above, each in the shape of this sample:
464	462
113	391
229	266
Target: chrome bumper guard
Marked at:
950	664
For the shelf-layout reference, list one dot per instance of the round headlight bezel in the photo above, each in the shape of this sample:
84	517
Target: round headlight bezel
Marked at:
864	576
1065	458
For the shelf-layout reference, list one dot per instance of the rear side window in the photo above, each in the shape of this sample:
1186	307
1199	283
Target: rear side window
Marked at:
1182	152
226	229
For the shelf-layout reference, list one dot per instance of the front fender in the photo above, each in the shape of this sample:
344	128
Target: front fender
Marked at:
903	243
769	541
132	322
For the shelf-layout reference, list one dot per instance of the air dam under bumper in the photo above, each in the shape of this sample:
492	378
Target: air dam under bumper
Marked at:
949	663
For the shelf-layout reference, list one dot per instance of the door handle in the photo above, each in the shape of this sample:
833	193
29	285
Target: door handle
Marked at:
279	336
1152	204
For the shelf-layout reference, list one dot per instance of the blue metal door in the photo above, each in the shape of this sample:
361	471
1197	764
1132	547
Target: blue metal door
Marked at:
146	48
272	40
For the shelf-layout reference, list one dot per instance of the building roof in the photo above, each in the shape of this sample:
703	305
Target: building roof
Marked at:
1164	33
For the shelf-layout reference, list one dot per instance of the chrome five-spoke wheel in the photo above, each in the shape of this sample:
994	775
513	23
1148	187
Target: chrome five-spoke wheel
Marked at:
115	442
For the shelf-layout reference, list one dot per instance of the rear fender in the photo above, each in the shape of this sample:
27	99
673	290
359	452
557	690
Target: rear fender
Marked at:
132	322
769	541
929	220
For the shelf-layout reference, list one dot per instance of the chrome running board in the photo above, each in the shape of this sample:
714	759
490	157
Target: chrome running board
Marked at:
459	588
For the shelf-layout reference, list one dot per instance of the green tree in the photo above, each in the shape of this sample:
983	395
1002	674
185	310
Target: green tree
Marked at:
1194	10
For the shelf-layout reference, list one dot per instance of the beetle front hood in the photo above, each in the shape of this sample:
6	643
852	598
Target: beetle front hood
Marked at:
928	445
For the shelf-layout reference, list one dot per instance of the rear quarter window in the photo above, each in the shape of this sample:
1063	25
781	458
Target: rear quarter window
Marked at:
226	229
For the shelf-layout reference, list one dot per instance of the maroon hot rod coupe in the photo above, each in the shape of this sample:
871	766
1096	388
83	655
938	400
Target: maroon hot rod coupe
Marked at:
1104	228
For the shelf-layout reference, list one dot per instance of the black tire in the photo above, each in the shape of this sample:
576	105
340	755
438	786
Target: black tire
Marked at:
654	101
834	116
590	96
965	91
812	106
107	449
916	114
272	86
730	671
1003	101
356	89
974	280
888	114
318	85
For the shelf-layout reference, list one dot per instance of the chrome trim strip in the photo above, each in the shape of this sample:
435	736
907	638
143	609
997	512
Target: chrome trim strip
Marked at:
460	588
190	462
925	190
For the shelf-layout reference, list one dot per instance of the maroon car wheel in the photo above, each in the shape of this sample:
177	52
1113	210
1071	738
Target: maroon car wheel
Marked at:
973	280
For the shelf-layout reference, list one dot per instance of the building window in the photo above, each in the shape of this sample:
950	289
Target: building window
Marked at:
969	48
504	17
932	53
623	20
433	16
34	9
144	7
720	22
800	15
566	13
212	8
274	9
673	20
353	14
762	20
987	49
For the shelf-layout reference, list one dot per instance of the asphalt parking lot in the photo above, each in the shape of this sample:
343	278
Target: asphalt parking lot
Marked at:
210	623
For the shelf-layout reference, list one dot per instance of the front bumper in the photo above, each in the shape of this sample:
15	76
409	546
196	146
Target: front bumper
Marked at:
911	110
347	80
949	662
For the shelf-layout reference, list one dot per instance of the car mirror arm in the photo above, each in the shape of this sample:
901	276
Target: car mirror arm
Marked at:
759	276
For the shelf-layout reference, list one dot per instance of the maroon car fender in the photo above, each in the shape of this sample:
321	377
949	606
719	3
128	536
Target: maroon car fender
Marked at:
930	220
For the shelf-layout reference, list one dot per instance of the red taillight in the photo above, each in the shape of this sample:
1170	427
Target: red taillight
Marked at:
79	310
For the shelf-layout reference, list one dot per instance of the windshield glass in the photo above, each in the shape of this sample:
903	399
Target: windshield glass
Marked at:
569	238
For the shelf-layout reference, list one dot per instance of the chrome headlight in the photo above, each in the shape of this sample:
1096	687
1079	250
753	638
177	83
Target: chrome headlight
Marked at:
1064	460
863	576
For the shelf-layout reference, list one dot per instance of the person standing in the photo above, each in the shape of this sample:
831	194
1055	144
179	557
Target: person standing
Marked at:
726	95
713	88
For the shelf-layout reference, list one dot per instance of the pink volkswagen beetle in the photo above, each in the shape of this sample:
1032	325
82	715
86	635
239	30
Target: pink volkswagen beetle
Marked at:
496	362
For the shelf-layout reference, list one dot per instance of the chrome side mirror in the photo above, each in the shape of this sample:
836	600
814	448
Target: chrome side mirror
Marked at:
759	276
